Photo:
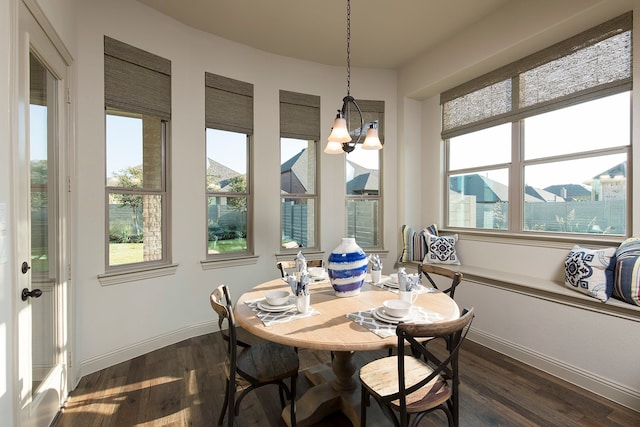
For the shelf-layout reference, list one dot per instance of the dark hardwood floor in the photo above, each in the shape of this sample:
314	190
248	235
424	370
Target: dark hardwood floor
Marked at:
183	385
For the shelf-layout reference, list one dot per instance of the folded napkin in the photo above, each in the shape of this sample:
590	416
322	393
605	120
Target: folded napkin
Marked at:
269	318
383	329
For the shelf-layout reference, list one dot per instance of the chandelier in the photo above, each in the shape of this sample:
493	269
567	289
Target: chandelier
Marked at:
341	140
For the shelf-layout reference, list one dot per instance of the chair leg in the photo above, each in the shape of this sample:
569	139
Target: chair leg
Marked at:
364	402
294	380
281	393
224	405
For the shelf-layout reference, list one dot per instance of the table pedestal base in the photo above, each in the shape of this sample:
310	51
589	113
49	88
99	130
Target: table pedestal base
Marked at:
335	390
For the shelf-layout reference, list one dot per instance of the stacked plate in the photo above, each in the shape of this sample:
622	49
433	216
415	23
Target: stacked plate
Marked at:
381	314
317	274
288	305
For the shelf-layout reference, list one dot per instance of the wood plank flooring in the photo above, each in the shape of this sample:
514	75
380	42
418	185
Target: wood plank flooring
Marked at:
183	385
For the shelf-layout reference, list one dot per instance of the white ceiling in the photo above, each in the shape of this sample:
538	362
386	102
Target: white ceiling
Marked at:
384	33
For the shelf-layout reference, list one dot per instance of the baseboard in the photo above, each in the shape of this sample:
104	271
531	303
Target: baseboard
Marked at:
601	386
103	361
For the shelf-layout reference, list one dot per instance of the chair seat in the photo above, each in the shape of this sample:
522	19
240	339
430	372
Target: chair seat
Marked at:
267	362
381	378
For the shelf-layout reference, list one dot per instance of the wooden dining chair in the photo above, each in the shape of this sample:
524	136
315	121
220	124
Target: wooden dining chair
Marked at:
416	386
253	366
289	266
427	270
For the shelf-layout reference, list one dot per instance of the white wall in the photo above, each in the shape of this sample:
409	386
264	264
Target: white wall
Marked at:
118	321
591	349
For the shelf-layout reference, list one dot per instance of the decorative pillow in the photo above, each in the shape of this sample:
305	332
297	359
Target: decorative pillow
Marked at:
626	285
432	229
441	250
413	245
590	271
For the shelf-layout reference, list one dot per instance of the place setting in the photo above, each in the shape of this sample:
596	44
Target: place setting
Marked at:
282	306
383	320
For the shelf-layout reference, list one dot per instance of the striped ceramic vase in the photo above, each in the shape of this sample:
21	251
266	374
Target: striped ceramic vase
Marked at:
347	268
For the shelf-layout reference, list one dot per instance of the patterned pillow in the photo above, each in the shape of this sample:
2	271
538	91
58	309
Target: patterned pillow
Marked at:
590	271
432	229
441	250
413	245
626	285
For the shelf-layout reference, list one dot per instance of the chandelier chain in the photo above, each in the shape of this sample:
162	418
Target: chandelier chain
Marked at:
348	47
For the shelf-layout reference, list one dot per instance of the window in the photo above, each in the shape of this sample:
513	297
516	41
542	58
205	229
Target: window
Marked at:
363	187
229	130
138	110
299	135
543	144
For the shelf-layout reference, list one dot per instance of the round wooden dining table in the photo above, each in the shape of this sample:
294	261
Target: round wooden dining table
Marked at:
329	328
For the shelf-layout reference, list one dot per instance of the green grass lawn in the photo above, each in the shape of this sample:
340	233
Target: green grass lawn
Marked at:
129	253
125	253
230	245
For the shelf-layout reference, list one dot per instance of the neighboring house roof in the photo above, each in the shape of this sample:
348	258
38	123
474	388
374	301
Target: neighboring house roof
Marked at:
477	185
364	181
570	191
220	172
298	165
488	190
617	170
543	195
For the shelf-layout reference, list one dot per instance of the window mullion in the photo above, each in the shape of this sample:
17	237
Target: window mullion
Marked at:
516	177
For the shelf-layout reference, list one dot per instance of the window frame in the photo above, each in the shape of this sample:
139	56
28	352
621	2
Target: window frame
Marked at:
247	195
229	107
314	196
300	121
162	192
508	77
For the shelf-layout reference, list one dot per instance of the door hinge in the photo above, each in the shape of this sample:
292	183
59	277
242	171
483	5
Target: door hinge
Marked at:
68	184
68	271
68	100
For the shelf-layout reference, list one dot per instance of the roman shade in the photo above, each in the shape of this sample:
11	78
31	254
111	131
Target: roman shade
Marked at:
136	81
299	116
228	104
590	65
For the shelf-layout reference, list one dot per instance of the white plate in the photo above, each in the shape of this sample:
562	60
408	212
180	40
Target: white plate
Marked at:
265	306
391	284
380	314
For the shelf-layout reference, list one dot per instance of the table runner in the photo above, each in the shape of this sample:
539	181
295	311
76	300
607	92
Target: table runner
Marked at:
366	319
271	318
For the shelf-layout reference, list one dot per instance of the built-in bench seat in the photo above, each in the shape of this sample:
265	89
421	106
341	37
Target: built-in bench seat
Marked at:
541	288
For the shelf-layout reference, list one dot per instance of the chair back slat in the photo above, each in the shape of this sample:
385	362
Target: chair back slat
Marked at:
427	270
285	266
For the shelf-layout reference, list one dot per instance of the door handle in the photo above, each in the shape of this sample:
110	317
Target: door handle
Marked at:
26	293
25	267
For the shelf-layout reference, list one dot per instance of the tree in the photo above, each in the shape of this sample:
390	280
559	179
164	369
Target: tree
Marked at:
238	184
130	177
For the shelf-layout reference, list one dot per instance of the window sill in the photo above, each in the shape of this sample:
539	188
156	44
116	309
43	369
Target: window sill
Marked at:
544	289
108	279
211	264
